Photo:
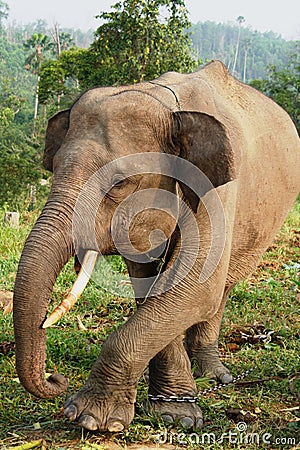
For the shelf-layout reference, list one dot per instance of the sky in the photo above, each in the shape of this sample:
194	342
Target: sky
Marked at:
280	16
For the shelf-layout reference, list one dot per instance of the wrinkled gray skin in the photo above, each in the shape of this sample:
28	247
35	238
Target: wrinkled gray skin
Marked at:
245	144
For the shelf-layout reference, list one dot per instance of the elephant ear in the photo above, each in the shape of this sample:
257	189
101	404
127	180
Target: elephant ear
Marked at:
57	129
202	140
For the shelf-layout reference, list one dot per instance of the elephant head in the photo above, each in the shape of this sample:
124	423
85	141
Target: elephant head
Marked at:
91	150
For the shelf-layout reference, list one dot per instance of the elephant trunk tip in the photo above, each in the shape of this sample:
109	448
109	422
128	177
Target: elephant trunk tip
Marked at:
60	382
51	387
55	385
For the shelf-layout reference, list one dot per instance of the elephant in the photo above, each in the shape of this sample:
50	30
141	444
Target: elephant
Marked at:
215	164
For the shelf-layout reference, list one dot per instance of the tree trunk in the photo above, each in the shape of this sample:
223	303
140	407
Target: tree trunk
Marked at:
245	66
57	40
36	104
236	51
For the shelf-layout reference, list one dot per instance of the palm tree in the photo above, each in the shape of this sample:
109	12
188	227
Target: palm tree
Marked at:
240	20
38	44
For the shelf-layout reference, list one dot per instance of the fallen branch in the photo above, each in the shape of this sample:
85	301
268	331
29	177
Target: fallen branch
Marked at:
294	408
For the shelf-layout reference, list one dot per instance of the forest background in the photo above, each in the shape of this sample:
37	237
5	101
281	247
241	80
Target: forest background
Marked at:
44	68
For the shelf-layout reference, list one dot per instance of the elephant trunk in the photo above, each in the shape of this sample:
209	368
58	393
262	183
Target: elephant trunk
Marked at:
46	251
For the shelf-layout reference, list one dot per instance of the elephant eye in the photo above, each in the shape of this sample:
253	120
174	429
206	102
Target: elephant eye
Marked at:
118	182
121	187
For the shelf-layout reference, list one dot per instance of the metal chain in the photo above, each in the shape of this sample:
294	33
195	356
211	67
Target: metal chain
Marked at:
160	265
195	399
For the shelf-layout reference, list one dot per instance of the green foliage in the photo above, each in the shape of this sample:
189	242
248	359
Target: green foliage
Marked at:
77	64
283	86
10	103
20	158
63	76
256	50
42	48
20	165
20	152
6	116
134	43
38	46
12	60
138	40
4	9
51	81
20	147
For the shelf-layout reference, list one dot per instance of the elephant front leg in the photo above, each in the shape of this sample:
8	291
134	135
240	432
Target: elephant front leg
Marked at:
107	400
202	346
170	374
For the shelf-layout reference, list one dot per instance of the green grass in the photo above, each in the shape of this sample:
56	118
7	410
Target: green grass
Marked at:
266	304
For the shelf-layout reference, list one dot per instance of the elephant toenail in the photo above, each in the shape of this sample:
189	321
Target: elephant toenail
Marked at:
89	423
115	427
226	378
199	424
71	412
187	422
167	419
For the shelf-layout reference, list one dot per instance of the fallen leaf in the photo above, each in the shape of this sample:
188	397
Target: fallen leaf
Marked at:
232	347
239	415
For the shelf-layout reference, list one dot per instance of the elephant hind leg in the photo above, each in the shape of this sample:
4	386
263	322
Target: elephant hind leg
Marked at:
208	364
170	374
202	346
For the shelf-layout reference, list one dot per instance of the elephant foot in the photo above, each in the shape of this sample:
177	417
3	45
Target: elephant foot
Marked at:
94	411
208	364
185	415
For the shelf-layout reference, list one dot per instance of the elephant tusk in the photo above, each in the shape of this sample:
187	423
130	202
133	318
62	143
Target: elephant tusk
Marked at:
81	281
